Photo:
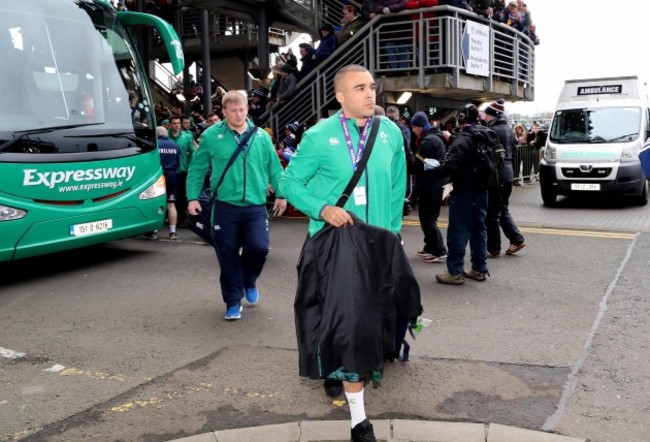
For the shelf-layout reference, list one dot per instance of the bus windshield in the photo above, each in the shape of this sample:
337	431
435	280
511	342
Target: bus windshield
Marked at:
74	72
596	125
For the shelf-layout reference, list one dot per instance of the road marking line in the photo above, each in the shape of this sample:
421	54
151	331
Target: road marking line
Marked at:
92	374
569	388
11	354
55	368
540	230
555	231
154	400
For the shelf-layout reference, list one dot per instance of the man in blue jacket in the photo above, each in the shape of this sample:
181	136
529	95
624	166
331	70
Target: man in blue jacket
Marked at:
469	201
169	159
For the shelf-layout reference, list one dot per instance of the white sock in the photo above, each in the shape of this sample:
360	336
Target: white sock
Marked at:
172	228
357	408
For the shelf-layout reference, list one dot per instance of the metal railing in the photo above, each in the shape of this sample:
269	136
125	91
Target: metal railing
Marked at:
324	11
330	11
417	42
220	26
163	77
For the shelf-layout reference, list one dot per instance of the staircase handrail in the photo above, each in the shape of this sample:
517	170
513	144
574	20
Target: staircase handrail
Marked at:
162	76
512	59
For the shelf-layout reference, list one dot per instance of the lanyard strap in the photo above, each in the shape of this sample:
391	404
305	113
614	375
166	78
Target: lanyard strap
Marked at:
348	140
362	163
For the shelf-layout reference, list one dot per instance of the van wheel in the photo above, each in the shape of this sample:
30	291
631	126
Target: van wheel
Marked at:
642	199
548	196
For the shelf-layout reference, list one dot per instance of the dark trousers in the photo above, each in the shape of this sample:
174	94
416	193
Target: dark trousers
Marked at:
467	213
516	161
428	212
499	217
235	228
181	197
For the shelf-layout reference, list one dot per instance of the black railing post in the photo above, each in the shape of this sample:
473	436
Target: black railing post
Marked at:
205	60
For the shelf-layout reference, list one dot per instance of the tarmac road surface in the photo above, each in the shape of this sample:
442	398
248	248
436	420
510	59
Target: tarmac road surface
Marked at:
127	341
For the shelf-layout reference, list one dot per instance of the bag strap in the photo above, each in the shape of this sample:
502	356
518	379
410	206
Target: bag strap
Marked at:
362	163
241	146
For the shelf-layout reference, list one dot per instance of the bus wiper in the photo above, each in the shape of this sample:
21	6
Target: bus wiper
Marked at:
633	134
28	132
128	135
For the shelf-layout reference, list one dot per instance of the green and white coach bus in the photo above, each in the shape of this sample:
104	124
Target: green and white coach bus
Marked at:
79	164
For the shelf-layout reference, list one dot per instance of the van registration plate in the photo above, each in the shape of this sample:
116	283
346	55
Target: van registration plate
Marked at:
91	228
584	186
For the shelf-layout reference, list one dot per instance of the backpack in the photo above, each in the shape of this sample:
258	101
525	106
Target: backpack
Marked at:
489	172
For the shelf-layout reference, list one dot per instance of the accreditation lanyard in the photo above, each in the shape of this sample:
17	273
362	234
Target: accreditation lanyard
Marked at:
348	140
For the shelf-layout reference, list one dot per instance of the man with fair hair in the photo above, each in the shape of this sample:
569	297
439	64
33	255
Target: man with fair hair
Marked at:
352	22
338	319
239	218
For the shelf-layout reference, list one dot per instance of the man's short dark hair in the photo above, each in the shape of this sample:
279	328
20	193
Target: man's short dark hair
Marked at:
344	70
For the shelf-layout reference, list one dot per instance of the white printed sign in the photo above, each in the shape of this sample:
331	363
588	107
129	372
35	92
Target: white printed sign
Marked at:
476	48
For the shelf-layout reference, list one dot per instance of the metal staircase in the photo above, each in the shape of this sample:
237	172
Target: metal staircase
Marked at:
418	51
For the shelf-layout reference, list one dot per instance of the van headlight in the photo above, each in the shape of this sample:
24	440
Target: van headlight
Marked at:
550	154
10	213
155	190
629	154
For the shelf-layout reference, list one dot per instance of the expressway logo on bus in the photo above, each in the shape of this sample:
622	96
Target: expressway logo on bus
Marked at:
32	177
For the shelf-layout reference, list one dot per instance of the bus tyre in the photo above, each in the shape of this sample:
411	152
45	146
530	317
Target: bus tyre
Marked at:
548	196
642	199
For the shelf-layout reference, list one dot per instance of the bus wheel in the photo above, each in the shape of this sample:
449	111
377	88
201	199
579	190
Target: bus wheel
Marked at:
548	196
642	199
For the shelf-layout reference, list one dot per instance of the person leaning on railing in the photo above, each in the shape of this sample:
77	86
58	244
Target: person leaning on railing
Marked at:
518	155
536	140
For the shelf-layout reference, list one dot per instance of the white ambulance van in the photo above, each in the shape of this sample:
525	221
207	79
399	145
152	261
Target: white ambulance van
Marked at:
593	144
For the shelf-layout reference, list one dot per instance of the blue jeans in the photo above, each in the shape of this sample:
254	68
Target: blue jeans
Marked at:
238	227
467	213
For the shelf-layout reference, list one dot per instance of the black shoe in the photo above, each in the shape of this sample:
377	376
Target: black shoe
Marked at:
363	432
333	387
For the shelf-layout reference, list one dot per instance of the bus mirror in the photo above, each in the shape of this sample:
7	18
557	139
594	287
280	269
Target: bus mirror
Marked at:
166	31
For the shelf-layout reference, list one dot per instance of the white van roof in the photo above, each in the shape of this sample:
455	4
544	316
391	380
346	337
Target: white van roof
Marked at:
596	89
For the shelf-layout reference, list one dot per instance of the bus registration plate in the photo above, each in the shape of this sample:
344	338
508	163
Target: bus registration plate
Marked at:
91	228
585	186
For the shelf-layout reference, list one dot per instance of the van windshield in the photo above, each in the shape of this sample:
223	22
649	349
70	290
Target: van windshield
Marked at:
596	125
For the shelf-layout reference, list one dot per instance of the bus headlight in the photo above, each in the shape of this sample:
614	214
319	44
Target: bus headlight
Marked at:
9	213
628	155
155	190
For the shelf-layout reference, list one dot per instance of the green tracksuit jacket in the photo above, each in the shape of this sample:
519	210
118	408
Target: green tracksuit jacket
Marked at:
185	143
246	182
321	168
